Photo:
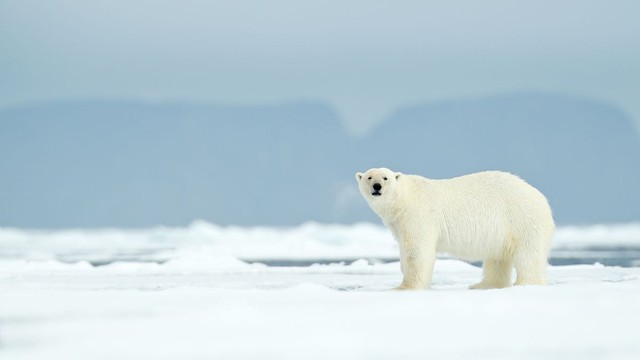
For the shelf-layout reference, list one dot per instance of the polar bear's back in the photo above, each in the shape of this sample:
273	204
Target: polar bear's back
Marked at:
486	214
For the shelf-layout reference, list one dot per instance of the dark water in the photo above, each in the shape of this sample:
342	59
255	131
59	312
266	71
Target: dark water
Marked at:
608	256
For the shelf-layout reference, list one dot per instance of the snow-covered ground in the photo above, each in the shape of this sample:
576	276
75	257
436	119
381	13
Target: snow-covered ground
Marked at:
184	293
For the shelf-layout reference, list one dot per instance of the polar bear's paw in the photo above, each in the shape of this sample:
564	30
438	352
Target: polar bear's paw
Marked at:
485	285
401	288
404	287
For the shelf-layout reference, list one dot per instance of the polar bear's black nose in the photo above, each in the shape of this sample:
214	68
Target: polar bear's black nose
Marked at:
377	187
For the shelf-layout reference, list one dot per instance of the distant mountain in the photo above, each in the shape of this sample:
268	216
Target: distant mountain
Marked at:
95	163
127	164
584	155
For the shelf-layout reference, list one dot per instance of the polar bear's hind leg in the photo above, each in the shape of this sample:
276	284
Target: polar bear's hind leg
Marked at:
531	271
496	275
531	261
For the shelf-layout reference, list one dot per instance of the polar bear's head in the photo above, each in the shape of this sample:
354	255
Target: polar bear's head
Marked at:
377	183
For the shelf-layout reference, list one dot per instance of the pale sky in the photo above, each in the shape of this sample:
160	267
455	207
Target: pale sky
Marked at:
364	58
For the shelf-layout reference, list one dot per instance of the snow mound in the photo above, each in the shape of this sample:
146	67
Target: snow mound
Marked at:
202	245
619	235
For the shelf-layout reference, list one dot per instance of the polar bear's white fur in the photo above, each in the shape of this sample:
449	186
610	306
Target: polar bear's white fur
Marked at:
491	216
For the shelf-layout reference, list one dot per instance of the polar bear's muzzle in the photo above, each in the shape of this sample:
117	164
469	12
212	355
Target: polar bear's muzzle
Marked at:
376	189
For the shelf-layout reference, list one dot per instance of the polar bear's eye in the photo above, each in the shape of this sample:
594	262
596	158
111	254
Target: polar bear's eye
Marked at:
384	178
369	178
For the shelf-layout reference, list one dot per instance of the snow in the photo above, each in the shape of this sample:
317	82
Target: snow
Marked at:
184	293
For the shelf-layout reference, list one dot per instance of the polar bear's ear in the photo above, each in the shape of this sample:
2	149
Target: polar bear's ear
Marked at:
358	176
398	175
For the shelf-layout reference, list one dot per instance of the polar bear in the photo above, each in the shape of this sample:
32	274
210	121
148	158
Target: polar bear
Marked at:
491	216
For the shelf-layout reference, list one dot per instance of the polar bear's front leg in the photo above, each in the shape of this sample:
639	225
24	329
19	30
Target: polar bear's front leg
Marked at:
417	259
